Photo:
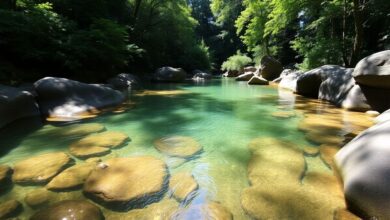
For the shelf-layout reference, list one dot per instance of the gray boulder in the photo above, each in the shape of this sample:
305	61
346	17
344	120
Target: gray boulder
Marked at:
270	68
201	75
250	69
16	104
355	100
364	165
169	74
125	81
60	97
257	80
373	75
308	84
245	77
385	116
289	80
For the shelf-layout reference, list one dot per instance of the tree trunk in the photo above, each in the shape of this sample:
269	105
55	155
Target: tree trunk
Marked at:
358	42
344	47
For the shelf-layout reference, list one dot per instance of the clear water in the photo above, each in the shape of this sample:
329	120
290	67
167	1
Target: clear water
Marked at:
222	115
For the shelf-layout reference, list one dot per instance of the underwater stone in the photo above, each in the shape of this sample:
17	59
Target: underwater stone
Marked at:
10	208
97	144
70	209
125	183
37	198
178	146
41	168
182	185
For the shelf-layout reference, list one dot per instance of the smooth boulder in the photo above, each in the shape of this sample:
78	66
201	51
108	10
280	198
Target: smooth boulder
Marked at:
40	169
289	80
125	81
169	74
183	185
257	80
364	166
373	75
201	75
355	100
270	68
70	209
10	208
16	104
245	76
64	98
231	73
125	183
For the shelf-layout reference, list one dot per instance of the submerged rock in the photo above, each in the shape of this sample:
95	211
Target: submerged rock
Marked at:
72	177
10	208
373	75
178	146
283	115
15	104
169	74
125	183
364	167
97	144
327	153
323	138
70	209
182	185
37	198
40	169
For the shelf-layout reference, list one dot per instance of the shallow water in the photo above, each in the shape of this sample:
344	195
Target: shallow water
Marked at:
222	115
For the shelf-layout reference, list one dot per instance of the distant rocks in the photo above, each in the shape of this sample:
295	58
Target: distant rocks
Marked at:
169	74
124	183
97	144
64	98
125	81
245	76
201	75
70	209
231	73
16	104
373	75
270	68
257	80
178	146
40	169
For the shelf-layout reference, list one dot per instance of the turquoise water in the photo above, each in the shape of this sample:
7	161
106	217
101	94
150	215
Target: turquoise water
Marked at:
222	115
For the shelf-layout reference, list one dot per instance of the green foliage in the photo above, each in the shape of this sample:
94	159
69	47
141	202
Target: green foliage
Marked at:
236	62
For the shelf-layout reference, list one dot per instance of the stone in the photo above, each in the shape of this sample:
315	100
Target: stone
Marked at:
309	83
169	74
178	146
37	198
323	138
363	164
209	210
200	75
344	214
5	175
355	100
125	183
183	185
245	76
163	210
385	116
125	81
40	169
311	151
250	69
75	130
270	68
72	177
16	104
67	99
372	113
70	209
10	208
258	80
97	144
327	153
372	73
289	81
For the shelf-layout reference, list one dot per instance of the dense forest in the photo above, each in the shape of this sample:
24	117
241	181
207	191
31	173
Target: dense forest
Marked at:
93	39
